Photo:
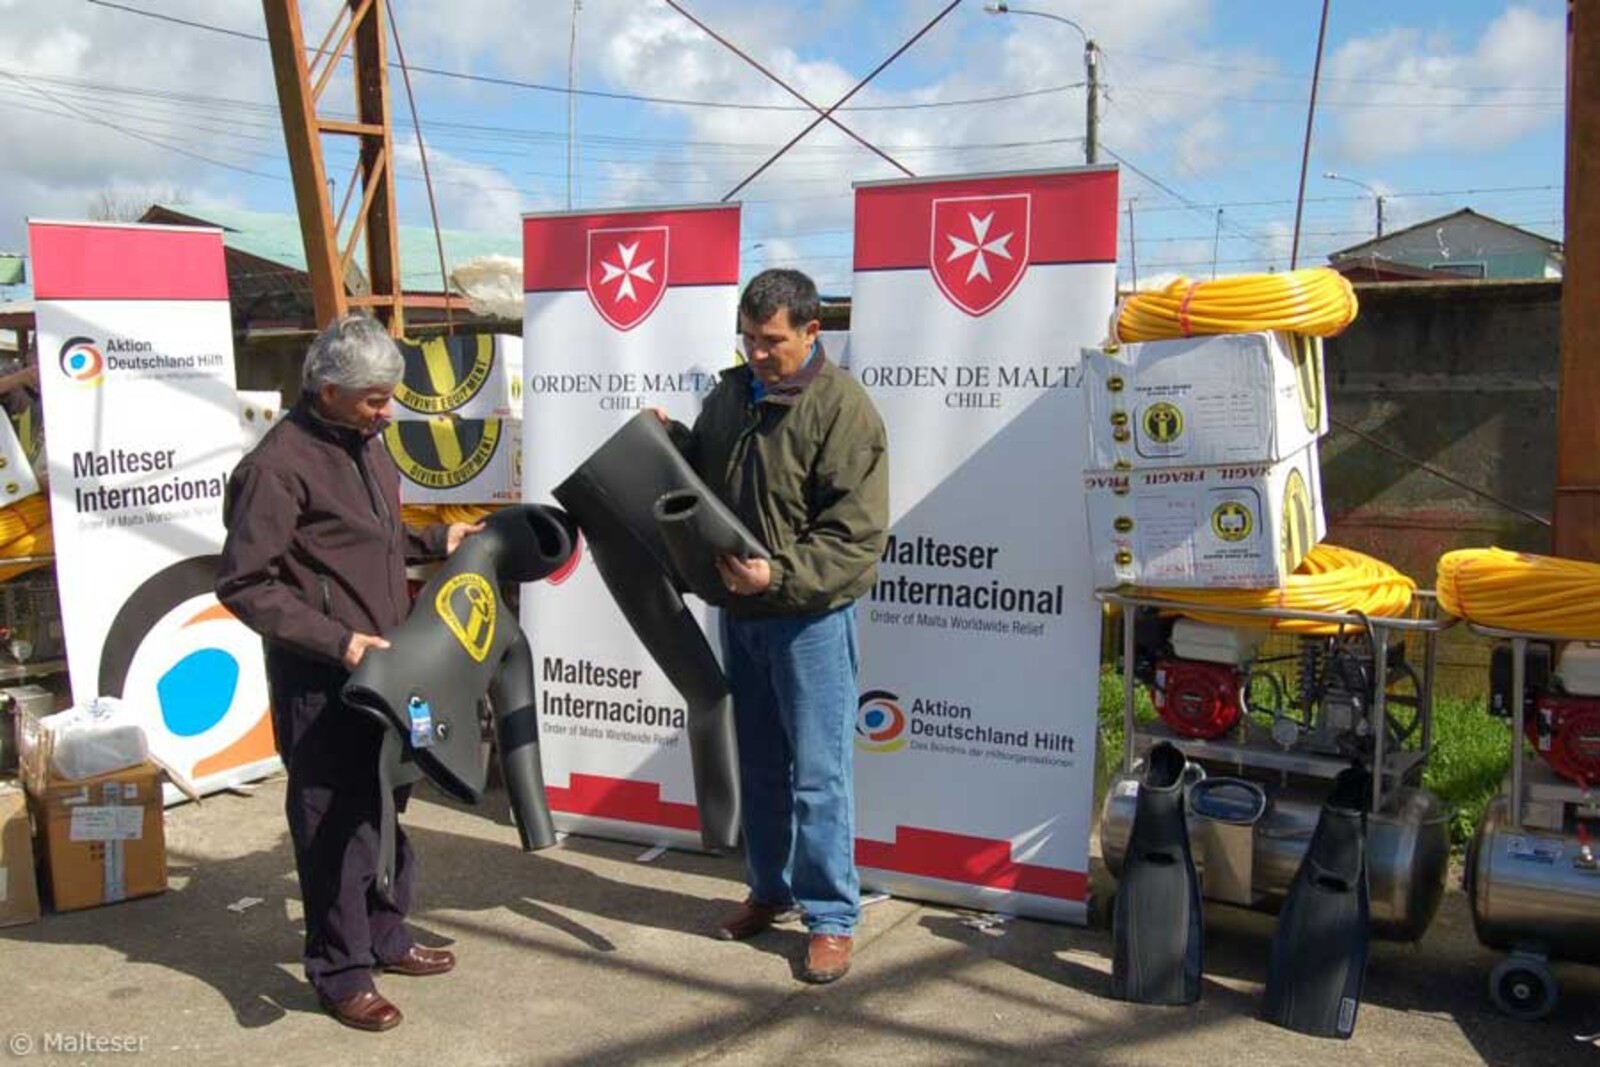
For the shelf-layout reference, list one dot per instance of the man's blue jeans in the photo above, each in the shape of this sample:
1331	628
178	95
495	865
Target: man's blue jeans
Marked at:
794	698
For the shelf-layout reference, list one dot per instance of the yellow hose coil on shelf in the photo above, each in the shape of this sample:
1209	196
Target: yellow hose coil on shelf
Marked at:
25	531
427	515
1519	591
1315	301
1333	580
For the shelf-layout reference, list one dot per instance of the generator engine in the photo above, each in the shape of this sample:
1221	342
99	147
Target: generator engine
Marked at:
1337	694
1197	673
1205	680
1561	708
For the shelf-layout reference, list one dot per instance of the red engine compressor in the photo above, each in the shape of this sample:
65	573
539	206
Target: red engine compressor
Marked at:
1561	708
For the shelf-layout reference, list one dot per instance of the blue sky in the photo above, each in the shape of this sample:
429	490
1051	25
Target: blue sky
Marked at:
1438	105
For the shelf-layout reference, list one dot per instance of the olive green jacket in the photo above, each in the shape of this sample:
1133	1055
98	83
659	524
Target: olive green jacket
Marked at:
807	470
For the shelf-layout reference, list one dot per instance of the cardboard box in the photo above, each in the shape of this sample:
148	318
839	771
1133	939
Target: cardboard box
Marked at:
30	704
19	890
258	411
104	839
1247	525
444	460
470	376
1204	401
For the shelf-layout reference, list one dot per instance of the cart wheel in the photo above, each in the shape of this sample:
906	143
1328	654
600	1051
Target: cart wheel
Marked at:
1523	987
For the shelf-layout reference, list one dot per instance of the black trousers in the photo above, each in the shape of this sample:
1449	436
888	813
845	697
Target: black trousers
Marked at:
333	808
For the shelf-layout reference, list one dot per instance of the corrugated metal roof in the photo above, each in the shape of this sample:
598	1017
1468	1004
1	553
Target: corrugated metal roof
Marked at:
277	238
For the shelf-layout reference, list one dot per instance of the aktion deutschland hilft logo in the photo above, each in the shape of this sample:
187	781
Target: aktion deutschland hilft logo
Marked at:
82	361
880	722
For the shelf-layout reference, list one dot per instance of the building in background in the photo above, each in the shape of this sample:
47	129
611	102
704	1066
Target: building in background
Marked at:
270	290
1462	244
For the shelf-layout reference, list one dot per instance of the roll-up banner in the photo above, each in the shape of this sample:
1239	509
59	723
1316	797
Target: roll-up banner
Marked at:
136	369
625	310
975	733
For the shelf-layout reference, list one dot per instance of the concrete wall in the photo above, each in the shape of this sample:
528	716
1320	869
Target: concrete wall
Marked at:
1463	378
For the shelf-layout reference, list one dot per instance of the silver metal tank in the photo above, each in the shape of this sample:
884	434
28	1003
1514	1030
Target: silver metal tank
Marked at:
1408	852
1533	888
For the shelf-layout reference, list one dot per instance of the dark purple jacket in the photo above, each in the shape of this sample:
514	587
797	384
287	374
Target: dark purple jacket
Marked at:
316	550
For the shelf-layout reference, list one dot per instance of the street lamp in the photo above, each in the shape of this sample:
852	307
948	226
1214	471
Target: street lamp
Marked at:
1377	196
1091	66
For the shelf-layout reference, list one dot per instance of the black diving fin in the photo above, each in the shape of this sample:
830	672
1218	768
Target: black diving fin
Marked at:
1157	936
1319	952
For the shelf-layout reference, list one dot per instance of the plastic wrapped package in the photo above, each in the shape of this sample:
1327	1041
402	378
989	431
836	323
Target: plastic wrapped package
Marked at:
92	739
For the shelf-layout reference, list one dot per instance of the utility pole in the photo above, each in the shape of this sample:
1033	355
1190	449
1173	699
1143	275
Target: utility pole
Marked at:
1577	504
1377	197
1091	69
1133	246
1216	241
1091	121
572	97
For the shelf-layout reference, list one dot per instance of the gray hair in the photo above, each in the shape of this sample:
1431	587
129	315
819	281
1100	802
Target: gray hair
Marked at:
355	352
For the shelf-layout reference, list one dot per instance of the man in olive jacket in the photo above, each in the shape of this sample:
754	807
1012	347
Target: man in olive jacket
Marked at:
315	563
795	447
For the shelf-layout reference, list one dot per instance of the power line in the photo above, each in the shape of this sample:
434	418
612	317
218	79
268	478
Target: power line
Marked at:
1303	76
513	83
97	92
1352	198
1190	204
139	136
1530	105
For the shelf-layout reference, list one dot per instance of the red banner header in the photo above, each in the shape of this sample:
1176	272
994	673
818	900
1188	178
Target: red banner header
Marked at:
987	227
80	261
639	253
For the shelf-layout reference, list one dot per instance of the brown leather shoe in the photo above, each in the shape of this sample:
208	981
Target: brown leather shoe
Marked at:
752	918
419	962
827	958
367	1010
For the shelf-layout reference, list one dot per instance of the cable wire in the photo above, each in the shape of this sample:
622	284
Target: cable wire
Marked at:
1315	301
25	532
1522	591
1331	580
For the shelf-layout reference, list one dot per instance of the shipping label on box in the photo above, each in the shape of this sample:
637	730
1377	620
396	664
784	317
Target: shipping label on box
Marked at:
104	838
19	894
1203	401
1246	525
444	460
470	376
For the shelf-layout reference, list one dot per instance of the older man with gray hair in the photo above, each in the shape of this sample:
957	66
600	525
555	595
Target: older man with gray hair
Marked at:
315	563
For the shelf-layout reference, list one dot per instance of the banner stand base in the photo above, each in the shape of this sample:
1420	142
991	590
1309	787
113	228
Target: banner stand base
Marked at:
982	898
630	833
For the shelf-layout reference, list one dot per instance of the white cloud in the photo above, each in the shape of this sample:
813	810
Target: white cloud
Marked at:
470	196
1477	98
70	131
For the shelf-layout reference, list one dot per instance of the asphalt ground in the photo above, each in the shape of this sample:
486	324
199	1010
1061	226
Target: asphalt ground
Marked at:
592	952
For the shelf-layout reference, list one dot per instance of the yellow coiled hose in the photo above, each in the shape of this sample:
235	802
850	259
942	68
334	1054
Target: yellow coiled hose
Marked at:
25	531
1315	301
1332	580
1520	591
427	515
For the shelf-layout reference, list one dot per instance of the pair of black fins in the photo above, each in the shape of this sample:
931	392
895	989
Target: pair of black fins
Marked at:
653	531
1319	951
